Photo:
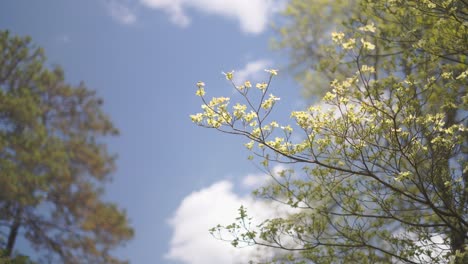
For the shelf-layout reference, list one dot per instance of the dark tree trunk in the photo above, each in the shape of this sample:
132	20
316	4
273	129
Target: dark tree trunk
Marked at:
457	243
13	233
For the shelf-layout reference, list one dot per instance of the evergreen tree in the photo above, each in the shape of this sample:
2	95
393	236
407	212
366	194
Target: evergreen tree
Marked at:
53	162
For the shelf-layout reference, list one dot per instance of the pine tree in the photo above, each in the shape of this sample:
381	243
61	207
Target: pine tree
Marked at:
53	163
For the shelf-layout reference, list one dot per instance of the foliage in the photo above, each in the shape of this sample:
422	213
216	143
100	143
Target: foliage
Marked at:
53	163
302	31
380	171
18	259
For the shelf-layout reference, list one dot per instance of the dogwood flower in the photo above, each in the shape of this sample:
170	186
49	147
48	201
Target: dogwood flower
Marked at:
349	44
229	75
272	71
367	45
262	86
337	36
200	91
370	28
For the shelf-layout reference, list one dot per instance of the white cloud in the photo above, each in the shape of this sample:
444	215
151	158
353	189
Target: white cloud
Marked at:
252	181
173	7
252	71
252	15
121	12
191	242
201	210
434	247
255	180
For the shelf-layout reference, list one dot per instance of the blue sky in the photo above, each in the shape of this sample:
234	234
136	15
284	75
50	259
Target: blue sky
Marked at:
144	57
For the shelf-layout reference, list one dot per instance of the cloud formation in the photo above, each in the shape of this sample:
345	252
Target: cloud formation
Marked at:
252	15
201	210
252	181
252	71
120	12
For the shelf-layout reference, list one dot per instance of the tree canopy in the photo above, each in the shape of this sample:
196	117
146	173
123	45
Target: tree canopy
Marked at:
53	163
378	168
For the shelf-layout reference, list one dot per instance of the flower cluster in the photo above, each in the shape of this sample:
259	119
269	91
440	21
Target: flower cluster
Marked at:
216	112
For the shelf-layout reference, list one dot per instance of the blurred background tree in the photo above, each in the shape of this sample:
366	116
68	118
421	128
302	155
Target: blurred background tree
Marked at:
53	162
